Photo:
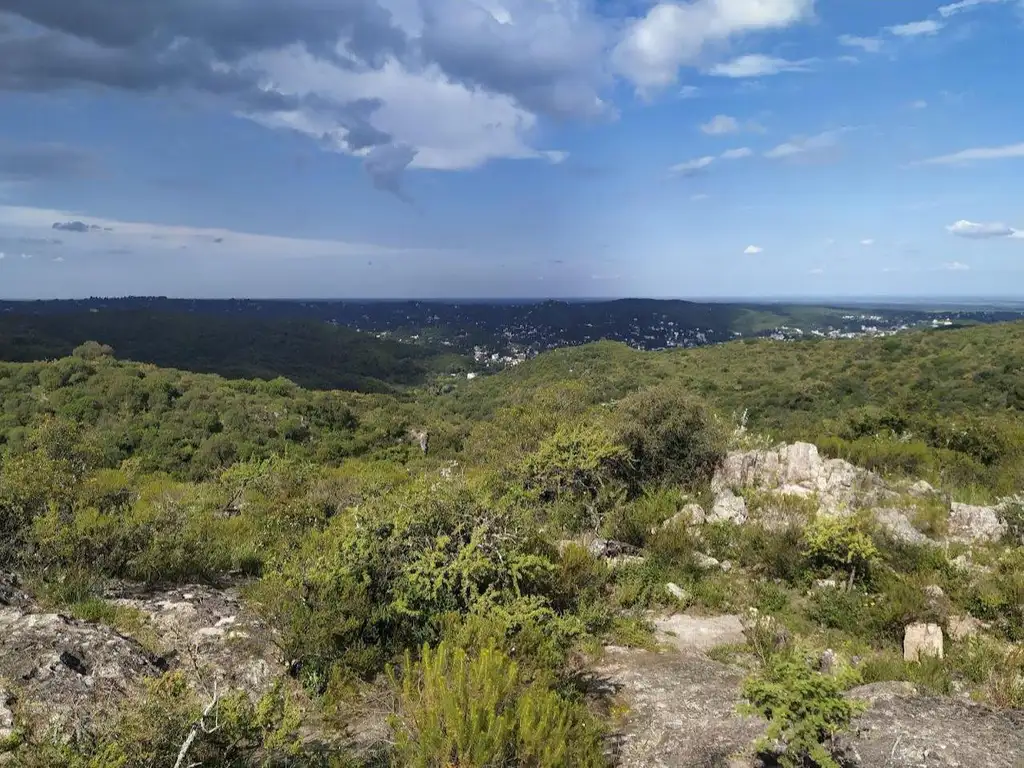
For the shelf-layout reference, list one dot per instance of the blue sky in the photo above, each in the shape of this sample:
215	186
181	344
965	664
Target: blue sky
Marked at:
511	148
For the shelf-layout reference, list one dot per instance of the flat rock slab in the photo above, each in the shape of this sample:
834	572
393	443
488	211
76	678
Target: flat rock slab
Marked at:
905	728
682	710
700	633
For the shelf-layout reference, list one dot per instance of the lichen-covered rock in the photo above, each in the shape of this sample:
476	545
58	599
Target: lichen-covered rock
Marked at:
921	640
69	672
210	634
961	628
969	523
691	514
6	714
906	728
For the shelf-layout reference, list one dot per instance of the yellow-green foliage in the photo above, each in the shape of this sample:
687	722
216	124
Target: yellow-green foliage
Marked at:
839	543
474	711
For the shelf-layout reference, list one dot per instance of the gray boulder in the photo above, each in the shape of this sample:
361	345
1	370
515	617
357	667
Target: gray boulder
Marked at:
896	523
920	640
971	524
728	507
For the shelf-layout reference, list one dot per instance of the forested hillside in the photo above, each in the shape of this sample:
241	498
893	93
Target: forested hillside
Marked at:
311	353
448	606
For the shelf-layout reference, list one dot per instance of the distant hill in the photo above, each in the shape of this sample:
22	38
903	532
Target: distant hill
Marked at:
311	353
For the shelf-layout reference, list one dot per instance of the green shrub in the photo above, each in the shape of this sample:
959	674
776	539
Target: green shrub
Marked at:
474	711
634	521
672	437
805	710
839	543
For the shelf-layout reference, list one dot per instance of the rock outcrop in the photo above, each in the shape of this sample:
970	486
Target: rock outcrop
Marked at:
66	672
699	633
682	709
728	508
971	524
904	727
797	469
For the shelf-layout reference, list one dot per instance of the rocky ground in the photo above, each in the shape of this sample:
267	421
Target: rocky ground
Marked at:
682	704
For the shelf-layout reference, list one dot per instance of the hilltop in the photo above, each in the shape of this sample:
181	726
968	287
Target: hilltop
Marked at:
567	550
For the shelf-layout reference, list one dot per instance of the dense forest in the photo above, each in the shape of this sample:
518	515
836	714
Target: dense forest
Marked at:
313	354
430	540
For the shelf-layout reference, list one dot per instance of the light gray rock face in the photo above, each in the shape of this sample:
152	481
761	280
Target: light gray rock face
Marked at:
677	592
683	713
906	728
728	508
699	633
683	710
706	562
971	524
798	469
896	523
68	672
921	640
208	632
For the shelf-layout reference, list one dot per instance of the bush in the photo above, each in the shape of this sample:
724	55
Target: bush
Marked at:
474	711
839	543
805	710
672	437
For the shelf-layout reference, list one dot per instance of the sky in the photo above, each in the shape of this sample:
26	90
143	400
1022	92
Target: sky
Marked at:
511	148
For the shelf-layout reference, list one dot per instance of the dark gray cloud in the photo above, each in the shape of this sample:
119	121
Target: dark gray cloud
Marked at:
229	28
34	162
386	164
79	226
548	61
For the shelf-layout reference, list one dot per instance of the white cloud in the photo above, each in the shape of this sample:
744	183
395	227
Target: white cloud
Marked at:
954	8
689	92
977	153
916	28
26	256
752	250
759	65
451	126
867	44
919	104
867	242
699	196
556	156
973	230
692	166
817	271
58	259
799	146
721	124
675	34
737	154
955	266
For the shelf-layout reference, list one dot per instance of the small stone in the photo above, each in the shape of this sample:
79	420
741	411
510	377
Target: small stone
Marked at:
728	508
969	523
691	514
921	640
726	566
677	592
6	715
705	562
826	584
962	627
623	560
829	662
